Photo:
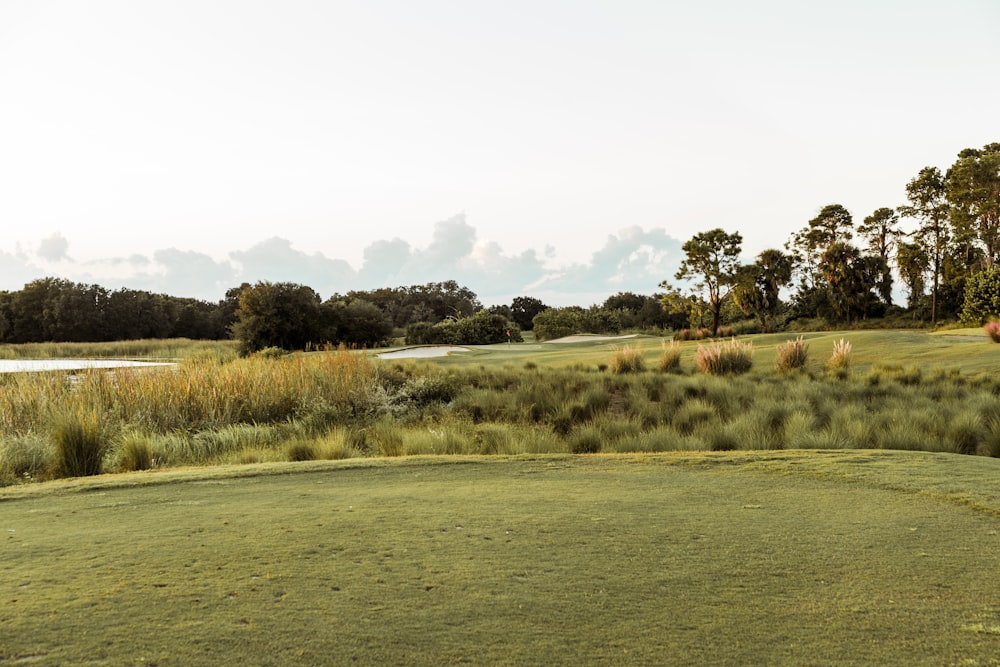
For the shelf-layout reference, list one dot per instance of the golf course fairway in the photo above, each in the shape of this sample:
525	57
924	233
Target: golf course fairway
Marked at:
820	558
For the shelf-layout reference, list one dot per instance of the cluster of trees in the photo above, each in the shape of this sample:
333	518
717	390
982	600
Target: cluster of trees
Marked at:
949	265
57	310
293	316
954	247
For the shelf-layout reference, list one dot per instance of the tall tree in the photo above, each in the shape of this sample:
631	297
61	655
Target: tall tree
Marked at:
850	278
756	287
285	315
831	225
880	230
913	263
973	190
523	310
926	194
712	259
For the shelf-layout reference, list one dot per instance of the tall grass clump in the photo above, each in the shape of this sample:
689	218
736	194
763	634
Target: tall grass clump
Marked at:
24	457
628	360
993	331
80	444
840	360
135	451
729	358
792	355
670	357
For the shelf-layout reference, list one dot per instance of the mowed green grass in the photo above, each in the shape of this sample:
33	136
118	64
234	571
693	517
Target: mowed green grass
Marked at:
820	558
966	350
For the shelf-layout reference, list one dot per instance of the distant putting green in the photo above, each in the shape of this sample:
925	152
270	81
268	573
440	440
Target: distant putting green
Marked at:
821	558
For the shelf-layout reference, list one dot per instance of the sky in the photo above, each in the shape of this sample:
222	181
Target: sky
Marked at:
560	149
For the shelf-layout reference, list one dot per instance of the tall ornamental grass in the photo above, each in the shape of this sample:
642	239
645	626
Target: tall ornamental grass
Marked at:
628	360
840	360
792	355
730	358
670	357
80	444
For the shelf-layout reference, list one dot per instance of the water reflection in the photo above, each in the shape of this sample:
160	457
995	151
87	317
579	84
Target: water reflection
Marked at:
34	365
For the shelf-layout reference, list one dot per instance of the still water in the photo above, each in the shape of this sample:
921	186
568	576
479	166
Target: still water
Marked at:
29	365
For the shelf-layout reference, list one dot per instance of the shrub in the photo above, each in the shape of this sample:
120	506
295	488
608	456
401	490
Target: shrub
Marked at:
993	331
701	333
670	358
731	358
840	360
80	445
424	390
792	354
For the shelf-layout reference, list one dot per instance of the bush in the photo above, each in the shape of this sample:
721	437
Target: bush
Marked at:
792	354
701	333
80	445
730	358
993	331
628	360
670	359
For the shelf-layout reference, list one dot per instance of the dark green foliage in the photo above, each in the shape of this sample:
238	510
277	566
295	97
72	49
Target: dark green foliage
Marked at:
711	260
482	328
284	315
421	391
982	297
432	302
359	323
523	310
57	310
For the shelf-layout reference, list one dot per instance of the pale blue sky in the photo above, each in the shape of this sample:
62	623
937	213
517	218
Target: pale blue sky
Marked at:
562	149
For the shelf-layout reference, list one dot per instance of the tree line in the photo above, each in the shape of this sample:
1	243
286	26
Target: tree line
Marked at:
292	316
949	264
830	270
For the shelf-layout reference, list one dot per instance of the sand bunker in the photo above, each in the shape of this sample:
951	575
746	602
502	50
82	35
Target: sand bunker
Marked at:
422	352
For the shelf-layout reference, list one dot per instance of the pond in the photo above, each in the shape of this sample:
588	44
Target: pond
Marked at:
35	365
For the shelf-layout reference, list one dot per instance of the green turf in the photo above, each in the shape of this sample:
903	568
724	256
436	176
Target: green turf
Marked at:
820	558
966	349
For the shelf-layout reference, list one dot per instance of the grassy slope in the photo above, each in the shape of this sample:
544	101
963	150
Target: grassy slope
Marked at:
855	557
966	350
